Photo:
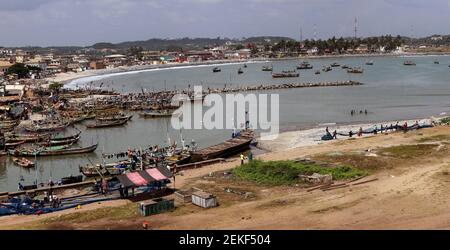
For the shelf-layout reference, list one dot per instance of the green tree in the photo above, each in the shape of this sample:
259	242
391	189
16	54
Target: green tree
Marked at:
55	86
20	69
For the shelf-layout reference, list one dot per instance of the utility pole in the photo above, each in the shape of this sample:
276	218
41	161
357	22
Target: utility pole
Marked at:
356	28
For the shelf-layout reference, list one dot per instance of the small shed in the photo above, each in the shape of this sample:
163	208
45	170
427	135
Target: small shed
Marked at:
203	199
156	206
183	196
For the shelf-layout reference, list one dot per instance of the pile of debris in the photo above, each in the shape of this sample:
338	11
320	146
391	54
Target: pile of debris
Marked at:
316	178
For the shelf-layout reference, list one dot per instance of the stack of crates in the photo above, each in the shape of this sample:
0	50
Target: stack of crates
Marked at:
156	206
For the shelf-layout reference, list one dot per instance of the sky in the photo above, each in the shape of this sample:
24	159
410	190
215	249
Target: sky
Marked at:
85	22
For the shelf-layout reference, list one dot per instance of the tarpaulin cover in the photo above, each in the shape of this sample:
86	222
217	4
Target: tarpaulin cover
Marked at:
146	177
153	172
137	179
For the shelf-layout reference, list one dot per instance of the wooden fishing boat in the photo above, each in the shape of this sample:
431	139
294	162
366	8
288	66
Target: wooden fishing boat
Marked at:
216	69
23	137
107	124
267	68
23	162
178	159
114	118
305	65
156	114
369	62
345	66
285	74
109	169
9	123
326	69
47	127
335	64
6	130
58	142
65	138
409	63
317	72
355	70
52	151
92	172
38	137
240	71
224	149
71	179
9	145
8	126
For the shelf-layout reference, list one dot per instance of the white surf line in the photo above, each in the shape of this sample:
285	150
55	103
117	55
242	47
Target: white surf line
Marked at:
84	80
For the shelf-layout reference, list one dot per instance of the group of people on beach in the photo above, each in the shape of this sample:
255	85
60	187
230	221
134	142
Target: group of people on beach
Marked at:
383	129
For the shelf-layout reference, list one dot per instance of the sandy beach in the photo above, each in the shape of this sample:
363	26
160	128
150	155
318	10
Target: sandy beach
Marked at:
310	137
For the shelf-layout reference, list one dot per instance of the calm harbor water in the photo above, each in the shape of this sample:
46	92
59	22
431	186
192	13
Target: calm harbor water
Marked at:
391	91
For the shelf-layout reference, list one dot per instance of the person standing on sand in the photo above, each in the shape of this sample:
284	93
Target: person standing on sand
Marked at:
335	134
360	132
242	159
121	191
105	186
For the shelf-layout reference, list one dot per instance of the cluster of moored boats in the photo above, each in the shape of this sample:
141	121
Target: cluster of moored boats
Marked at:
306	65
26	139
239	71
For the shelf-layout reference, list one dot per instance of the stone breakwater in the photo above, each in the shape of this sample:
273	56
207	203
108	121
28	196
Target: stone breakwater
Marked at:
263	87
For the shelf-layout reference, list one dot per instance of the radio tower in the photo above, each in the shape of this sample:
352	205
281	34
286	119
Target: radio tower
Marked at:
315	32
356	27
301	34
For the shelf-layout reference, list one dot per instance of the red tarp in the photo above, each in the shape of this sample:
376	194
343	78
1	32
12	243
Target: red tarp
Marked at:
146	177
136	179
156	174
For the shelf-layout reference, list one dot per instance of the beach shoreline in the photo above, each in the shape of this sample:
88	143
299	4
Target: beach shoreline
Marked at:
311	136
68	78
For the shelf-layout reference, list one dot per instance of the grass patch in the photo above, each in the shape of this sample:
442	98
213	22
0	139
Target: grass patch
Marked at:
111	213
286	172
443	137
409	151
359	161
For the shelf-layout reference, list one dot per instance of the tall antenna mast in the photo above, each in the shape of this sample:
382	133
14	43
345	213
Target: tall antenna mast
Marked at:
356	27
301	34
315	32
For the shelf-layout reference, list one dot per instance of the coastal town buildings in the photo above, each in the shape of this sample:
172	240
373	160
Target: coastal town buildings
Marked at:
51	61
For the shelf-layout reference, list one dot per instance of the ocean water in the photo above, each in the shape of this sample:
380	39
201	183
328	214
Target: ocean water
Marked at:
391	91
